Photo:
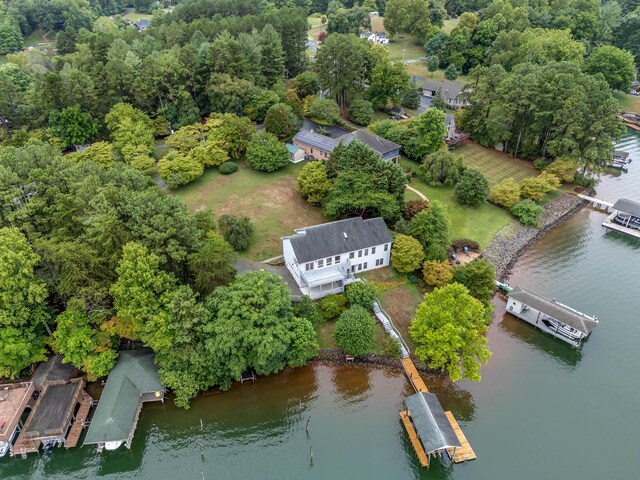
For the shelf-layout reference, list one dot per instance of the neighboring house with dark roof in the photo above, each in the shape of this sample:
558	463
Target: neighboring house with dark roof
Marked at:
142	24
320	146
324	258
451	92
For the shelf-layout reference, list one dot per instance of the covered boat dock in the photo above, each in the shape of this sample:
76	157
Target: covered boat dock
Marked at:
14	398
132	382
625	218
550	316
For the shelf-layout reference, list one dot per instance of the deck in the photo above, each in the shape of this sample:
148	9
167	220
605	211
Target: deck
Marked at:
413	375
25	445
611	225
415	441
80	421
464	453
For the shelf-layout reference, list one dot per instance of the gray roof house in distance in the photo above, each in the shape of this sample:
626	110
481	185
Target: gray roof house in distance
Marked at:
324	258
133	381
320	146
451	91
142	24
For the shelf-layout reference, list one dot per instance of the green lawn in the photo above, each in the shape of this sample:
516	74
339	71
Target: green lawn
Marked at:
404	45
270	200
135	16
628	103
495	165
449	24
324	332
315	26
39	38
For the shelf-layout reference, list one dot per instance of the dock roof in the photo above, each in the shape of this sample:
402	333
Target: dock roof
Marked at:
627	206
566	315
53	411
134	375
13	400
51	371
431	423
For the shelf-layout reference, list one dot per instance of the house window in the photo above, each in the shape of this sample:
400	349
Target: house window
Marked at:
366	252
359	266
353	269
337	258
352	254
365	265
308	266
329	261
320	263
386	247
373	250
312	151
359	253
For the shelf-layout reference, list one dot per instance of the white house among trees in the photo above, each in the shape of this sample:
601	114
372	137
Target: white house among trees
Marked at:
324	258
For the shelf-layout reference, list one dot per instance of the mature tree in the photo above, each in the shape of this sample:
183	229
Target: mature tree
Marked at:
341	64
479	276
506	193
10	35
411	98
233	132
355	332
449	330
439	102
472	188
305	84
177	169
543	46
563	168
442	167
362	294
361	111
433	63
389	82
436	47
431	226
451	72
73	126
437	273
428	132
99	152
616	65
325	110
281	121
408	16
266	153
536	188
131	134
212	265
236	231
528	212
141	296
22	305
627	35
272	58
308	309
313	183
406	254
260	103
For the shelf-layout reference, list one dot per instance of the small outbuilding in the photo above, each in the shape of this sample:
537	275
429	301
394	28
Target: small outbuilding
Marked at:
295	154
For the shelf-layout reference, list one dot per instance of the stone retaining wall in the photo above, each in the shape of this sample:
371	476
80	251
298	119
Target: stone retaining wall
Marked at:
513	240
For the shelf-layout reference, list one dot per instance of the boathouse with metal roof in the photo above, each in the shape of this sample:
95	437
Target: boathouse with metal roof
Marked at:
625	217
132	382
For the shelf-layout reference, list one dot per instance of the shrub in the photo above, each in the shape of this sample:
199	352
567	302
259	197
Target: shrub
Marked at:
472	188
506	193
582	181
479	276
537	187
527	212
281	121
313	183
406	254
361	111
411	98
391	347
236	231
325	109
437	274
431	226
355	331
441	167
436	252
308	309
332	306
541	163
451	72
564	169
266	153
465	242
228	167
413	207
361	293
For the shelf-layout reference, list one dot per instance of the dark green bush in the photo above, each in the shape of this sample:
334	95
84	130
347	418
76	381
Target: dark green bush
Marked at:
332	306
228	167
527	212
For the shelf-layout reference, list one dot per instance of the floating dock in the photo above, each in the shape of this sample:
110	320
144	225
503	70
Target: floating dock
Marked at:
625	218
464	452
413	438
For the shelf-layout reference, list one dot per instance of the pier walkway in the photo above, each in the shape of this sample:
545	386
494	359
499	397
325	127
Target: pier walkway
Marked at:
414	439
465	452
597	203
80	421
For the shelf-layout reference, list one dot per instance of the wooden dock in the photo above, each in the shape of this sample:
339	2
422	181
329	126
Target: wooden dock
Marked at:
415	441
413	375
80	421
465	452
25	445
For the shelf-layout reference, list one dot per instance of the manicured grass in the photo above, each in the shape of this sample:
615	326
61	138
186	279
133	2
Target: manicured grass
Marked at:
404	45
628	103
270	200
39	38
135	16
315	26
449	25
420	69
495	165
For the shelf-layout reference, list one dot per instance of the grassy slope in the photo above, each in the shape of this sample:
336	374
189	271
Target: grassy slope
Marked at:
269	199
628	103
403	42
135	16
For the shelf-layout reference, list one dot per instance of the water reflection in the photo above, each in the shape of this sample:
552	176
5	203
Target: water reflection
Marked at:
352	386
622	239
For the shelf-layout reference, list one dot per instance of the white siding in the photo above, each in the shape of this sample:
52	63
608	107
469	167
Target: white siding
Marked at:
290	259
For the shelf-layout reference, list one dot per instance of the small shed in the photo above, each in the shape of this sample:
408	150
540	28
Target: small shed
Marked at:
132	382
431	424
295	154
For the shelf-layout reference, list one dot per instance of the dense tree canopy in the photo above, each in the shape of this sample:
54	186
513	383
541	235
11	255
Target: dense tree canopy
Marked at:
355	331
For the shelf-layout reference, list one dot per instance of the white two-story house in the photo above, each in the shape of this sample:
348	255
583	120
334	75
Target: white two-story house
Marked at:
323	259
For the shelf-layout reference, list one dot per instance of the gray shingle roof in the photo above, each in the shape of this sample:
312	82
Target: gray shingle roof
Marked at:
431	423
556	310
379	144
316	140
328	239
449	89
627	206
621	154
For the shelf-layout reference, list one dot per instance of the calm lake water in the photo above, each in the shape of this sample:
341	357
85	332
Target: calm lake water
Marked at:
542	410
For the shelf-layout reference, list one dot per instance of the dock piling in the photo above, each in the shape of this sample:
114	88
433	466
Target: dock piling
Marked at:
311	455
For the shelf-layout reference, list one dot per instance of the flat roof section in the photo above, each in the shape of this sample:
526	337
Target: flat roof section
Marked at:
54	409
13	400
627	206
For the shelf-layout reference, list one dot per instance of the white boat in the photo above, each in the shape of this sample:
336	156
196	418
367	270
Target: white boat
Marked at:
562	328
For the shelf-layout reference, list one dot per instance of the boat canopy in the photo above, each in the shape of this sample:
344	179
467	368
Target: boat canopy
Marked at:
553	309
627	206
431	423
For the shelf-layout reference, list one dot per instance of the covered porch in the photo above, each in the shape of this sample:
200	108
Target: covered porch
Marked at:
326	281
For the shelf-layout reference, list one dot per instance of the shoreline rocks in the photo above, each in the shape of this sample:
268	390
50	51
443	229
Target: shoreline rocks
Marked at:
513	240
